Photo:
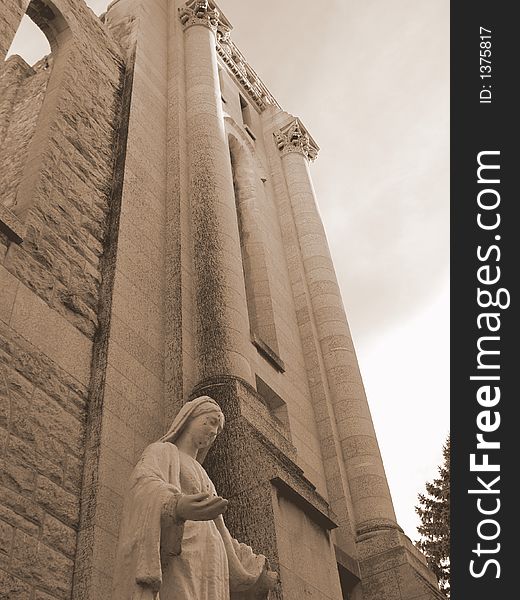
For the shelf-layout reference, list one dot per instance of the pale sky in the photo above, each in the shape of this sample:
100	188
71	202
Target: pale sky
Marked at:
370	80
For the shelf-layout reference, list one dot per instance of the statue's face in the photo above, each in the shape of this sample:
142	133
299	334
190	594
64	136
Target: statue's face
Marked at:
204	429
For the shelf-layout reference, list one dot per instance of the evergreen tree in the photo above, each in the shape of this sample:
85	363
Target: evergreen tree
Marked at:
434	511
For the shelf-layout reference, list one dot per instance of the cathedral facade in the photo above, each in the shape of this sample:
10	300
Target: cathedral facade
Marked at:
160	240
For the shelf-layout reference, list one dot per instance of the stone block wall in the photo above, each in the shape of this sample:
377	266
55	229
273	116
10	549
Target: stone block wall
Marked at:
127	410
307	568
392	568
42	423
22	91
50	288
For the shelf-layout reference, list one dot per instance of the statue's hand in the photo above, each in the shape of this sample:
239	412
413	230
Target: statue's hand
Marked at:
200	507
267	580
270	579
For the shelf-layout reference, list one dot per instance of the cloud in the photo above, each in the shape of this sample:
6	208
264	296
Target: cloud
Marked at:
371	85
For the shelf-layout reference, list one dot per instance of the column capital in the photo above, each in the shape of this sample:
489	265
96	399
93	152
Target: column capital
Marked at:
295	138
199	12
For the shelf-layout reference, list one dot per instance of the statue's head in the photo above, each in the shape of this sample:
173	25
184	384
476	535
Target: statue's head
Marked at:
202	419
204	427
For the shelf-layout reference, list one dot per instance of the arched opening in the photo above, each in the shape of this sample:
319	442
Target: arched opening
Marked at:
29	81
29	43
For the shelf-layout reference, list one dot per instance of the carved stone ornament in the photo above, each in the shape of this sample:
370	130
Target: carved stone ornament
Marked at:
199	12
224	34
240	68
294	138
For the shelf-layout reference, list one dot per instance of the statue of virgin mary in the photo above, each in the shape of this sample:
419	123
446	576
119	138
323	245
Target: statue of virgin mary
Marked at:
173	542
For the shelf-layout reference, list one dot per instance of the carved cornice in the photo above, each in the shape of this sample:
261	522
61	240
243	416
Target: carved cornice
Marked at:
199	12
239	67
295	138
207	14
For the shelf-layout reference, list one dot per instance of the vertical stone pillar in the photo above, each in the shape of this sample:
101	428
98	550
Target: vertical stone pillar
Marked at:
222	329
258	288
371	500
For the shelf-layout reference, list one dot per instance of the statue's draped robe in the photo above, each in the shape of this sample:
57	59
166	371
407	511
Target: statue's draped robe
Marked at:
162	558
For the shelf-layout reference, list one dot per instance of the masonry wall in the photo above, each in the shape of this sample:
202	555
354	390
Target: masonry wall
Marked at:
49	295
308	568
23	89
128	401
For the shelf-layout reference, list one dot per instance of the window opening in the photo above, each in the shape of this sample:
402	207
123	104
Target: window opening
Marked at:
277	407
245	107
221	85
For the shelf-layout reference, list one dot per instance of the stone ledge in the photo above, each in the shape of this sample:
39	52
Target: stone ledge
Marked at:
311	509
11	225
267	353
348	562
390	556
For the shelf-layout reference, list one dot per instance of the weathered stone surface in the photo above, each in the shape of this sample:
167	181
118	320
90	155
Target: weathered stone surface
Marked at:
44	438
45	568
39	595
58	536
73	475
8	288
17	476
19	355
57	501
17	521
23	513
26	453
6	537
10	18
30	85
13	588
70	194
4	242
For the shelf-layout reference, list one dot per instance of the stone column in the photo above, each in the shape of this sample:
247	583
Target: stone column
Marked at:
371	500
222	329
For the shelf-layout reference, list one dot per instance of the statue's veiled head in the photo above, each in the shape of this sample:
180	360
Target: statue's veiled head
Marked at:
202	419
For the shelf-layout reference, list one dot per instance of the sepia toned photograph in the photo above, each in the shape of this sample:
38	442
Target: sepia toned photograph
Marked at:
224	300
